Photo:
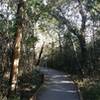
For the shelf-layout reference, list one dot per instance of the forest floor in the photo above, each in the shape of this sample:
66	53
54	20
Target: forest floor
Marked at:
57	86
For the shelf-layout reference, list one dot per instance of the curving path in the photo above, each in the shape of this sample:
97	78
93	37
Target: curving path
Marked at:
57	86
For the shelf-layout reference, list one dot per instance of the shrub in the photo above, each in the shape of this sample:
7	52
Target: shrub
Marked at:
91	92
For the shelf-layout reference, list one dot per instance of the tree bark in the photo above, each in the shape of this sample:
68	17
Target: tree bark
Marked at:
4	63
17	47
34	55
79	69
60	44
83	48
40	54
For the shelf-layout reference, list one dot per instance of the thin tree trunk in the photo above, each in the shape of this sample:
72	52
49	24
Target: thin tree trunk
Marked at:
83	50
34	55
16	56
60	45
81	37
4	64
77	59
17	48
40	54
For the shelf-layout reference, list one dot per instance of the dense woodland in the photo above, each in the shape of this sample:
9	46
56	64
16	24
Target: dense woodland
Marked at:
60	34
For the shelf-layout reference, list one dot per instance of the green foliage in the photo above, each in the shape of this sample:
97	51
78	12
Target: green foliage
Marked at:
14	97
34	2
93	6
35	12
37	76
2	26
4	91
91	92
31	40
33	80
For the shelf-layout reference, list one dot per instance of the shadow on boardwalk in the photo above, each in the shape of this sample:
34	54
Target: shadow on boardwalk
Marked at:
57	86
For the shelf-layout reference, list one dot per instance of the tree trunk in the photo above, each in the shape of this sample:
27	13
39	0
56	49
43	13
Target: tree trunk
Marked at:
60	44
17	48
81	37
4	63
84	53
40	54
34	55
79	67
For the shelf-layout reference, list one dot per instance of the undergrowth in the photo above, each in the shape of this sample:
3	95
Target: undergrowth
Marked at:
90	88
28	83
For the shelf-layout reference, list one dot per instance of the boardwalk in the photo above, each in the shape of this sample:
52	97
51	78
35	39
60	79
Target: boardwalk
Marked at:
57	86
